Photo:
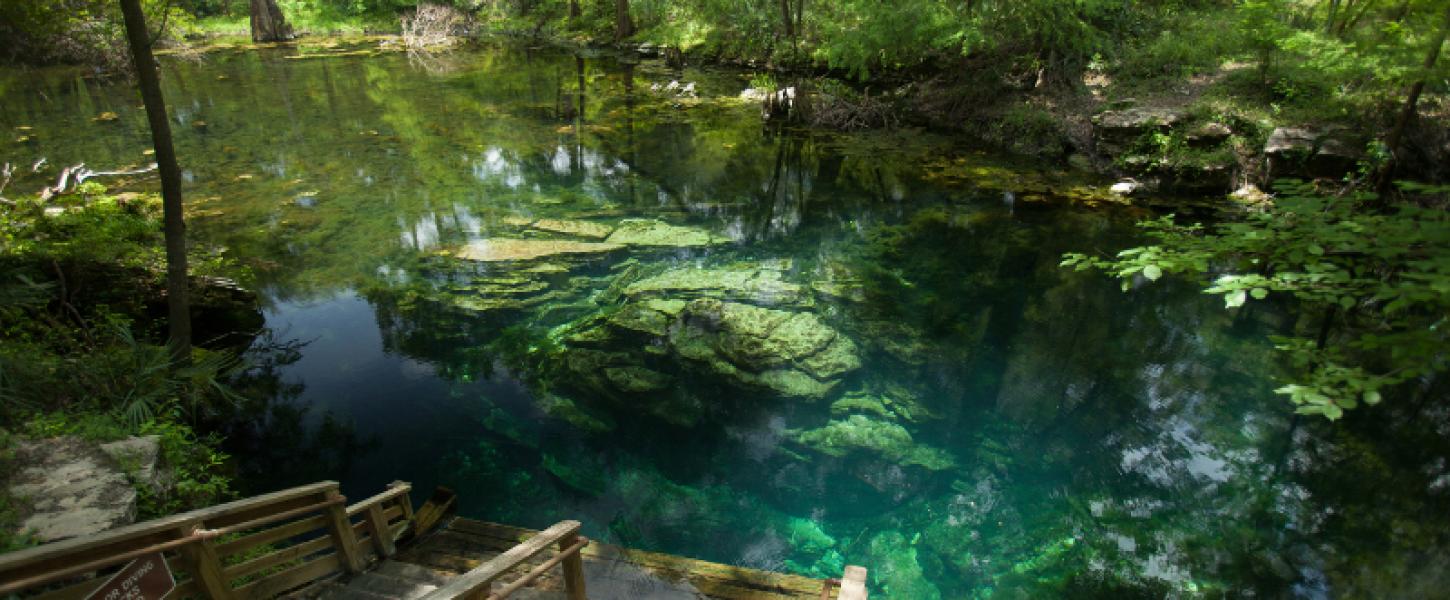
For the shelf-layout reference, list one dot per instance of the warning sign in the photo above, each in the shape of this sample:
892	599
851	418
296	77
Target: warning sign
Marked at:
146	578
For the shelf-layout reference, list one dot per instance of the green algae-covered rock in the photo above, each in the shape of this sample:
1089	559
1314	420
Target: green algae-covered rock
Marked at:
861	403
650	232
563	408
511	249
637	379
895	568
584	229
794	354
807	535
897	404
861	433
651	317
751	283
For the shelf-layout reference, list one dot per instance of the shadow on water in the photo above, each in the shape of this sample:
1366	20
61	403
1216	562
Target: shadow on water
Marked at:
806	349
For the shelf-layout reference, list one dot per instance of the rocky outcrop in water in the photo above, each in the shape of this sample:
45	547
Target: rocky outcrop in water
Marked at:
634	349
651	232
791	353
750	283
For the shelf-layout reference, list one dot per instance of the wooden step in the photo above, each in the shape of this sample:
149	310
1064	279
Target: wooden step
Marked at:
411	572
389	587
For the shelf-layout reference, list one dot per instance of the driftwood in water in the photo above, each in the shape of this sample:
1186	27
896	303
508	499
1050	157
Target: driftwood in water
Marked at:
73	176
4	182
268	23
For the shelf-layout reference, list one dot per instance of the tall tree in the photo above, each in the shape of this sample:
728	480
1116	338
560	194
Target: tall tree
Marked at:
268	22
1409	111
623	25
177	307
785	19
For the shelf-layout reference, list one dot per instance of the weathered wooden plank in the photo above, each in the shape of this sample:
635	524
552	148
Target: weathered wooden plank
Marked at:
273	559
405	503
573	569
275	584
82	550
378	499
205	567
503	536
486	573
343	536
378	525
74	592
274	534
853	584
463	542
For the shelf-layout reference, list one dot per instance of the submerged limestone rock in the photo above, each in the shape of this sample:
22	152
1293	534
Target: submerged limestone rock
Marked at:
650	232
752	283
634	354
512	249
894	403
861	433
792	353
585	229
896	568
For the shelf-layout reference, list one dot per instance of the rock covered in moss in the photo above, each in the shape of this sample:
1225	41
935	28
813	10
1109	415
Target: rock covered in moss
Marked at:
752	283
576	228
512	249
652	232
861	433
895	568
792	353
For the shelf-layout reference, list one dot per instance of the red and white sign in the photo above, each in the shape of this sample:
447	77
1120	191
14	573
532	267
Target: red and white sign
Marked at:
146	578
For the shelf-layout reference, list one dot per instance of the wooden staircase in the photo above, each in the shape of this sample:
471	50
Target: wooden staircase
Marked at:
307	543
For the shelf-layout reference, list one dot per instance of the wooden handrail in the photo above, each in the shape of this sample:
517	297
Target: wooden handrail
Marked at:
853	584
563	533
193	536
32	557
544	567
395	490
268	520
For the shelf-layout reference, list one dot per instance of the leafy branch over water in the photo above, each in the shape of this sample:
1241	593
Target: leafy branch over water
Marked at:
1372	287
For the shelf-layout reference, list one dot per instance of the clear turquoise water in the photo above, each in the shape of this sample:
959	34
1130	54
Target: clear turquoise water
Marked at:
1012	430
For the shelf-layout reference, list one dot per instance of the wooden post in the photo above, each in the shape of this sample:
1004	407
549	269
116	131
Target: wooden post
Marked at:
205	567
573	569
405	501
341	529
853	584
382	534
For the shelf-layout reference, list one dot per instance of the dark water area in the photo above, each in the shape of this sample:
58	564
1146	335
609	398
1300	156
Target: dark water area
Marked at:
567	288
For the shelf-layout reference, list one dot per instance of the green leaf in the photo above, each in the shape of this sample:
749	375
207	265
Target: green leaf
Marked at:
1152	272
1372	397
1316	249
1347	302
1234	299
1259	293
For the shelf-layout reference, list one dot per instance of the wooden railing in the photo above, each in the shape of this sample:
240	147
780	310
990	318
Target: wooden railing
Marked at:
852	583
253	548
478	582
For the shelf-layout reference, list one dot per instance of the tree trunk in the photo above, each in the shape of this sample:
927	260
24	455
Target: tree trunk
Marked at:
574	9
1407	113
785	19
268	23
800	15
177	308
623	26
